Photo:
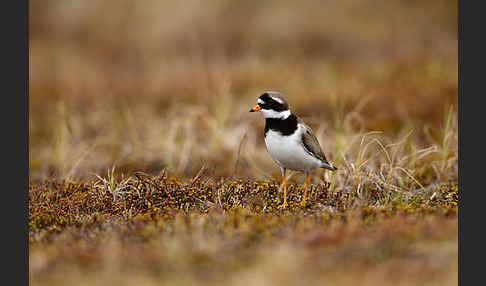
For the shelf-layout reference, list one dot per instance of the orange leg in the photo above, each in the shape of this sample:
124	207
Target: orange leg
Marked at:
307	183
285	190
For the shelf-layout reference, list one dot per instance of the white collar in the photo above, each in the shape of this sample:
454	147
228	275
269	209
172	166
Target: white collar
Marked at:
268	113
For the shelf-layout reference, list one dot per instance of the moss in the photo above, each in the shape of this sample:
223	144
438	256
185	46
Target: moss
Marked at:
55	205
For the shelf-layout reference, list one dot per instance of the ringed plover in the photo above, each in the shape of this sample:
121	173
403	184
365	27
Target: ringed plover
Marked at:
289	141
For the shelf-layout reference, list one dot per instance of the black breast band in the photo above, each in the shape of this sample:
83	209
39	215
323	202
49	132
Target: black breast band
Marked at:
283	126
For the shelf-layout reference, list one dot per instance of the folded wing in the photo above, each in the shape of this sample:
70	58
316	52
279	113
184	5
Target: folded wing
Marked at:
311	145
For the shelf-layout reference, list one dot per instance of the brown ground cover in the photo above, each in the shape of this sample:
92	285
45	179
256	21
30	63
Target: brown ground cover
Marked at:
164	88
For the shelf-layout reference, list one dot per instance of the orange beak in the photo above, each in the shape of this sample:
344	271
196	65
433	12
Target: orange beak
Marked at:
256	108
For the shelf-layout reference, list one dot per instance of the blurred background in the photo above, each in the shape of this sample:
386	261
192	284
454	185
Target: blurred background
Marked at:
152	85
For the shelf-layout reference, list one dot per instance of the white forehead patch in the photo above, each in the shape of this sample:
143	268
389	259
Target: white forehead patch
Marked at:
277	99
260	101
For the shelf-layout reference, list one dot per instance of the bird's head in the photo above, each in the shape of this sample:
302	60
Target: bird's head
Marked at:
273	105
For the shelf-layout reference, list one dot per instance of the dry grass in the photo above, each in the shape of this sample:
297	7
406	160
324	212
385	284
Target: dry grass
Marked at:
160	92
164	88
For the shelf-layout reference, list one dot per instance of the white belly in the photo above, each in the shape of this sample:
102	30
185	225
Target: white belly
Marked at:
288	152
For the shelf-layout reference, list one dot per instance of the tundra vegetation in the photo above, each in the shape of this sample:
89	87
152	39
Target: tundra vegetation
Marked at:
146	167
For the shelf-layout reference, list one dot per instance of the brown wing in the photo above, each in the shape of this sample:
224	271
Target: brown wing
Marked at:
310	143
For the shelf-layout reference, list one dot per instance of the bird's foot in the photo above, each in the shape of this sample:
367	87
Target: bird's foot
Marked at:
284	205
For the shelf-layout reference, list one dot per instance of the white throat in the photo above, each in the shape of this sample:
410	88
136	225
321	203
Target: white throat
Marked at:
275	114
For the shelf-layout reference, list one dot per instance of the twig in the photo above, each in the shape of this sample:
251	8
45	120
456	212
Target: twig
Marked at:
238	155
198	175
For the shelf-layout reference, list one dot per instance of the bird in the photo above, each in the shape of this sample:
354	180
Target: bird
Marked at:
289	141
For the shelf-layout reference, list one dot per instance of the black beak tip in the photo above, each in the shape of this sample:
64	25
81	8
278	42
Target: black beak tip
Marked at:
251	110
